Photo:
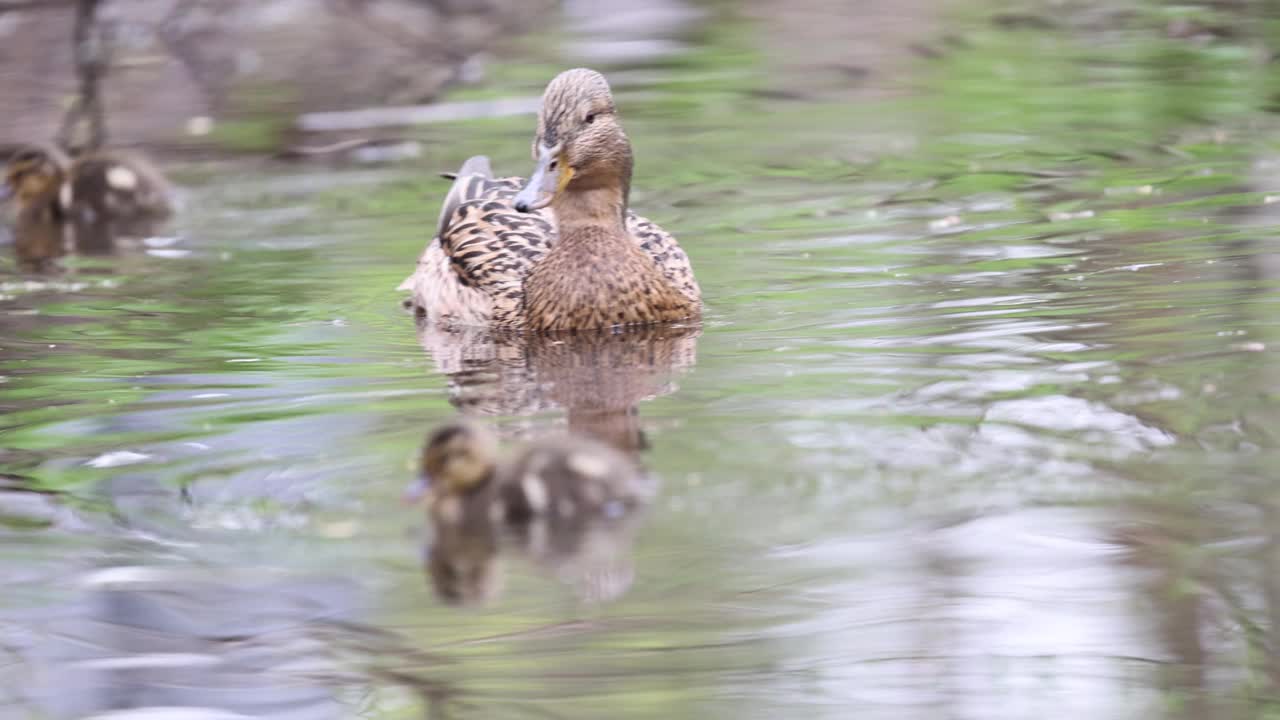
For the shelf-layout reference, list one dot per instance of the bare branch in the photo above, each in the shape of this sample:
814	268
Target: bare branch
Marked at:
90	53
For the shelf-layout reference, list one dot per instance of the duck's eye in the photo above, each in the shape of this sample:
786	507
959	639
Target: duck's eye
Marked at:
554	164
590	118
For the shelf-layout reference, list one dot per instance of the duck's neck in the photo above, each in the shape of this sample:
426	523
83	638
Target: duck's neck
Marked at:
595	202
591	212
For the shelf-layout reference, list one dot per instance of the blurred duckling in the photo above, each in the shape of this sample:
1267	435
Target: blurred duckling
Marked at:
34	179
113	194
559	476
101	196
556	497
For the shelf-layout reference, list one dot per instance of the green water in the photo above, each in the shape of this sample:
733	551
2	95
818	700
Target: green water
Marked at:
981	421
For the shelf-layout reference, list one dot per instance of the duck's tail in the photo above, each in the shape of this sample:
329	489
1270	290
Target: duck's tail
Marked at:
475	165
468	184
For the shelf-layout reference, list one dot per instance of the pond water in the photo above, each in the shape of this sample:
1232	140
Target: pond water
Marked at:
981	422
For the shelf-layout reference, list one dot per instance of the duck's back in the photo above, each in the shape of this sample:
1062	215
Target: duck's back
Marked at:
573	476
112	194
120	185
473	271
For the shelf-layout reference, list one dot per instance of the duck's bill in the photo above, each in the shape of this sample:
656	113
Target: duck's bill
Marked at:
549	178
417	490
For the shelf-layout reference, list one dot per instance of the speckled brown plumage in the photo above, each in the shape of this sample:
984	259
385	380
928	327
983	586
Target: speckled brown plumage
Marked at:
586	261
600	279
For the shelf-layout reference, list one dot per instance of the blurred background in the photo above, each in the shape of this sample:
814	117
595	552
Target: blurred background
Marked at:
981	421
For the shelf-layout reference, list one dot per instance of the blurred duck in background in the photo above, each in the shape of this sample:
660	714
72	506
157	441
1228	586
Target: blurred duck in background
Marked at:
115	194
34	181
85	203
568	502
562	251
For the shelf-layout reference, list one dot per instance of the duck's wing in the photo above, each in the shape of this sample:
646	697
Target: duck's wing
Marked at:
469	183
485	246
666	252
491	247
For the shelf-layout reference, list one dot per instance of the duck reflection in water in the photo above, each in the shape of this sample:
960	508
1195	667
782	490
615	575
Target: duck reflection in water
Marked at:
570	502
587	373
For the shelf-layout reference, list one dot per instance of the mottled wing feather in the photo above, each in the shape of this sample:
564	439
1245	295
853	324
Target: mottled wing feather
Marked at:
471	182
491	248
666	252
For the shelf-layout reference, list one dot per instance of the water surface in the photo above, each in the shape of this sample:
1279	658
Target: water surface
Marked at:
981	421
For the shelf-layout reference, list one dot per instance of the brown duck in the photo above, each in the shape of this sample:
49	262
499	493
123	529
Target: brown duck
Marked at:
562	251
567	501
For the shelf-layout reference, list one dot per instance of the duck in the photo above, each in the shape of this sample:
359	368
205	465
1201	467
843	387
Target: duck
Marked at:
87	201
112	194
33	181
561	251
564	475
569	502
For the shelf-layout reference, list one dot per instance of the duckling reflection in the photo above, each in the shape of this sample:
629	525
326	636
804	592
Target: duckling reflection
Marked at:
598	379
90	201
569	502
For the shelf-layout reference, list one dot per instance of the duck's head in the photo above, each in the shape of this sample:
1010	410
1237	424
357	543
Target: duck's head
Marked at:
580	145
458	457
34	174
